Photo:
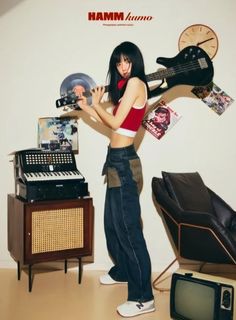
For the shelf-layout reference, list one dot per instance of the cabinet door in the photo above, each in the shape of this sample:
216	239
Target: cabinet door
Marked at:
58	230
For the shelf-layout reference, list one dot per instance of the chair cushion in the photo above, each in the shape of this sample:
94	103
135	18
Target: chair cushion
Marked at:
188	190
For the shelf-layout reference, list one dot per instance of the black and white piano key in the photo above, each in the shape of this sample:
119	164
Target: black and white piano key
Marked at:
52	176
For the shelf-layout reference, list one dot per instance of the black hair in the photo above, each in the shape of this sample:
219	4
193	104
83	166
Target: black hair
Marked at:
130	51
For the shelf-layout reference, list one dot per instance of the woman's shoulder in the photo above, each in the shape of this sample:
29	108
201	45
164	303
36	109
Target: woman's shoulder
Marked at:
135	82
137	87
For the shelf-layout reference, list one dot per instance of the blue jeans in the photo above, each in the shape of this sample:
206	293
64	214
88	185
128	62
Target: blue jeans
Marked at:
122	221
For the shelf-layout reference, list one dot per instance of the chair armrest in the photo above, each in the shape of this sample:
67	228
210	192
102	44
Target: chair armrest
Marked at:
204	219
204	238
207	220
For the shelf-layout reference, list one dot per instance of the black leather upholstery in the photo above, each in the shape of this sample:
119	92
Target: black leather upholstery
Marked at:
188	190
201	224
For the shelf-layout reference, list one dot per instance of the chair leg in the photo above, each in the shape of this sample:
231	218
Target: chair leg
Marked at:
157	281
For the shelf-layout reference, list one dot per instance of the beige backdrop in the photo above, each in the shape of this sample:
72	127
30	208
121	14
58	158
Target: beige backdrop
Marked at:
44	41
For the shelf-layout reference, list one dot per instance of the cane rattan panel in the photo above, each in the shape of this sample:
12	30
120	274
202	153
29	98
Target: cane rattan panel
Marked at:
60	229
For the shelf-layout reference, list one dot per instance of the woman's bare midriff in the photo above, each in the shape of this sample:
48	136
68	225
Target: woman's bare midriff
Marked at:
120	141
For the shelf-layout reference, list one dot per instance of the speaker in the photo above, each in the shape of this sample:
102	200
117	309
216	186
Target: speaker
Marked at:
55	230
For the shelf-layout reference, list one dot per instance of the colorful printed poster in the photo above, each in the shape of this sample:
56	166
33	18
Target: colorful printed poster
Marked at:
58	134
214	97
160	120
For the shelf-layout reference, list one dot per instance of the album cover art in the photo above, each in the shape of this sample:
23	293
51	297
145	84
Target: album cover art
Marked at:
214	97
160	120
58	134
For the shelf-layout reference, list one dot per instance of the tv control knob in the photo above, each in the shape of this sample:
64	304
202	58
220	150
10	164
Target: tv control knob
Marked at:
226	299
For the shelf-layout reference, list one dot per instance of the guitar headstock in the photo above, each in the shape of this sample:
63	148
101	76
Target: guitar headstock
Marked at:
68	101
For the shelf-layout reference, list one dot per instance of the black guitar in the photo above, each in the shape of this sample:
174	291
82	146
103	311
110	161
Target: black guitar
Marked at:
191	66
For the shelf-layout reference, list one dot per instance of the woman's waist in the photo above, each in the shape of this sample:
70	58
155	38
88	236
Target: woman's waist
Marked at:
120	141
120	153
119	157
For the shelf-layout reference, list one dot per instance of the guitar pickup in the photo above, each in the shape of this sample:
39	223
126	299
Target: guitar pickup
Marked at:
203	64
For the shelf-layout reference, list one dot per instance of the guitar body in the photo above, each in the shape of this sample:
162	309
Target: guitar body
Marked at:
191	66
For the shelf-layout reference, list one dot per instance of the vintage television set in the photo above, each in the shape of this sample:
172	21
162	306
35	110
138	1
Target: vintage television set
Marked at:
199	296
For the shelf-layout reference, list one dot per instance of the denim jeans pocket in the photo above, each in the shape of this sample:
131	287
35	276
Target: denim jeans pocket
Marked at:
113	179
136	169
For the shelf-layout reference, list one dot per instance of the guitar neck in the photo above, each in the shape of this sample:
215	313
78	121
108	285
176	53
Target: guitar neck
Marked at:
71	98
161	74
88	94
158	75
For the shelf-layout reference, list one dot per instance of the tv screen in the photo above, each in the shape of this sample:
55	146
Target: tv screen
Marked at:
194	300
199	299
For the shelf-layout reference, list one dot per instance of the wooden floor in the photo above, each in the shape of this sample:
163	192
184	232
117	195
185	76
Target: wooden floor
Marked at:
58	296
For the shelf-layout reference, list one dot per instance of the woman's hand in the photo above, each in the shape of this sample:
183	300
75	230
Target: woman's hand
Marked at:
82	100
97	94
82	103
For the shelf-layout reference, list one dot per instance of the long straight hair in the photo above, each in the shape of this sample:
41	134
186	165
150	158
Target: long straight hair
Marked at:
130	51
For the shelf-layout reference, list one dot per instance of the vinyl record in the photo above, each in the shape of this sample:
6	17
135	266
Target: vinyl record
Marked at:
74	79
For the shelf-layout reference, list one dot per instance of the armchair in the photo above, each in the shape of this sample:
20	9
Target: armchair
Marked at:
200	225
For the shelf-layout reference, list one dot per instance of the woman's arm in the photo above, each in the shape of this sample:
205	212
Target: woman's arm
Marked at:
88	109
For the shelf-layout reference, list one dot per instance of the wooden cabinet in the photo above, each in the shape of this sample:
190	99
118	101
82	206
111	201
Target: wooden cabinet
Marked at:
49	230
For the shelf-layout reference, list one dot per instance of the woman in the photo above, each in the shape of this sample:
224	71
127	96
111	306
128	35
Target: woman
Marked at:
128	91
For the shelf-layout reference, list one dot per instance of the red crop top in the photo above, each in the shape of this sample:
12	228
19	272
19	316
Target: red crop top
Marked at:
132	122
